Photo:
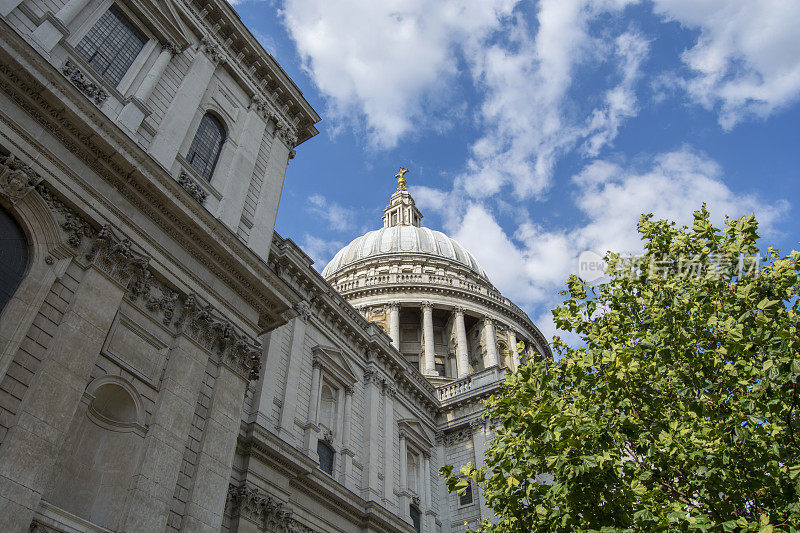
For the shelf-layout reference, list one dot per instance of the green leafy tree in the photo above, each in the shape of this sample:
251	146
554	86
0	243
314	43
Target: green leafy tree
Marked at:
677	411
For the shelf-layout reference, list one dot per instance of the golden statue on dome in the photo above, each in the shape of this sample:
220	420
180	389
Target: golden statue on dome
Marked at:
401	181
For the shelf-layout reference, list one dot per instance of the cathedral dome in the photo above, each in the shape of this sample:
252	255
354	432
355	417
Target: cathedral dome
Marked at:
405	240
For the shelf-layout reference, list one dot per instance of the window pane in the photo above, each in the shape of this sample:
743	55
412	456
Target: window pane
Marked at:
325	453
466	499
112	45
14	251
206	145
415	518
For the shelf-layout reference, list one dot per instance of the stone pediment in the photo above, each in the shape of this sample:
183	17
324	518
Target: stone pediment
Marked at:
335	364
416	433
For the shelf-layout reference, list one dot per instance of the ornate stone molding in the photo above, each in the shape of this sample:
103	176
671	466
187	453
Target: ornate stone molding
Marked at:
371	375
266	513
17	179
208	326
189	185
86	86
288	134
73	224
426	305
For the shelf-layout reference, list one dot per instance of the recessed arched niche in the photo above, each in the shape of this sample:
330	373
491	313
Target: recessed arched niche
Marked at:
100	454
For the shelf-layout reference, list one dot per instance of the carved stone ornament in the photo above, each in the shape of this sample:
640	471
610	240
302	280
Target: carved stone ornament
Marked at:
327	437
191	186
416	501
288	134
265	512
171	47
79	80
117	258
303	310
17	179
207	326
212	50
73	224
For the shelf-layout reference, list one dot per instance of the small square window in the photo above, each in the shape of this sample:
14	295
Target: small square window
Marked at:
466	498
326	454
416	518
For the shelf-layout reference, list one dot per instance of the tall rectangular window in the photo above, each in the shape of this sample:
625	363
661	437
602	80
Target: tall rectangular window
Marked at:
112	45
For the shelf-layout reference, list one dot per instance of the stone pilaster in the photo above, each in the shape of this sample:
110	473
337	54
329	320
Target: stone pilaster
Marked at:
214	462
388	443
134	111
31	446
370	485
403	474
347	453
180	113
294	366
237	180
154	485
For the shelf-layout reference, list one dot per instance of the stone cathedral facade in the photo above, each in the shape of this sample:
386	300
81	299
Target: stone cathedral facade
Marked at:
167	361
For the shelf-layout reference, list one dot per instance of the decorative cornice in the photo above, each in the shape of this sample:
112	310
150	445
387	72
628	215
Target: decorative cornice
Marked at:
116	256
83	83
17	179
190	186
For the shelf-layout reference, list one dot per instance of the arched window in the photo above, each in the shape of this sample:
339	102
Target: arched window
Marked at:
325	453
207	143
327	409
14	251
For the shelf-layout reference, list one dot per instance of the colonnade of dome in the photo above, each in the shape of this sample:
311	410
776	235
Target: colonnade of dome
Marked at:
431	296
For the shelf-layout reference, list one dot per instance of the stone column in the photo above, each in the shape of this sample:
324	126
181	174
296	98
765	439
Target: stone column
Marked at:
429	356
512	343
370	483
180	113
403	474
53	28
394	324
491	343
154	484
462	356
293	368
312	427
214	462
237	179
134	111
388	444
347	454
31	447
264	397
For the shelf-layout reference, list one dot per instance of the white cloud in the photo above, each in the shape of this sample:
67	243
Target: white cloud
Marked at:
747	57
320	250
386	60
339	218
532	264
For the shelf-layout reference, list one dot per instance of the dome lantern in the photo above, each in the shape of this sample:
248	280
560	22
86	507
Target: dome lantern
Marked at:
401	210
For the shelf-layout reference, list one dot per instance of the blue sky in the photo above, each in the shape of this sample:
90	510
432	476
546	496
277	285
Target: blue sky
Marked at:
537	130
